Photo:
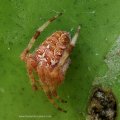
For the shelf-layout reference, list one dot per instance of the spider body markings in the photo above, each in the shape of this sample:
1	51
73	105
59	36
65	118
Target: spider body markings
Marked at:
50	61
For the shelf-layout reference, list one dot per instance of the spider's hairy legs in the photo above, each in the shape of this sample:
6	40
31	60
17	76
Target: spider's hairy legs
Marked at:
31	66
35	36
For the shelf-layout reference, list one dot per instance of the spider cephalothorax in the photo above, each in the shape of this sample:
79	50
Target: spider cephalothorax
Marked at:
50	61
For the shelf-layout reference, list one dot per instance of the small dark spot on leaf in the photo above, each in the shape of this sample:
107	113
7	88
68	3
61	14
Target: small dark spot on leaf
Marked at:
105	4
10	43
77	15
23	88
75	2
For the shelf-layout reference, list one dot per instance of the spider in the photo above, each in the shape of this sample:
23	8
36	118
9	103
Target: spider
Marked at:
50	61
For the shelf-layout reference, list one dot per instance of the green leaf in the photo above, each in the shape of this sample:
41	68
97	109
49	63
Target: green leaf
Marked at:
100	29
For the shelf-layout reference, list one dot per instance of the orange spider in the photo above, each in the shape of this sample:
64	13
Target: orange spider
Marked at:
50	61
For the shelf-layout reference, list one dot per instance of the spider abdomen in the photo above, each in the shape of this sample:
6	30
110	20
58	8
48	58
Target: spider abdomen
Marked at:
50	51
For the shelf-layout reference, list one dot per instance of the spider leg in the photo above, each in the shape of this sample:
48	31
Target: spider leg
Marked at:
35	36
75	37
39	86
49	95
30	70
31	76
70	48
54	93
